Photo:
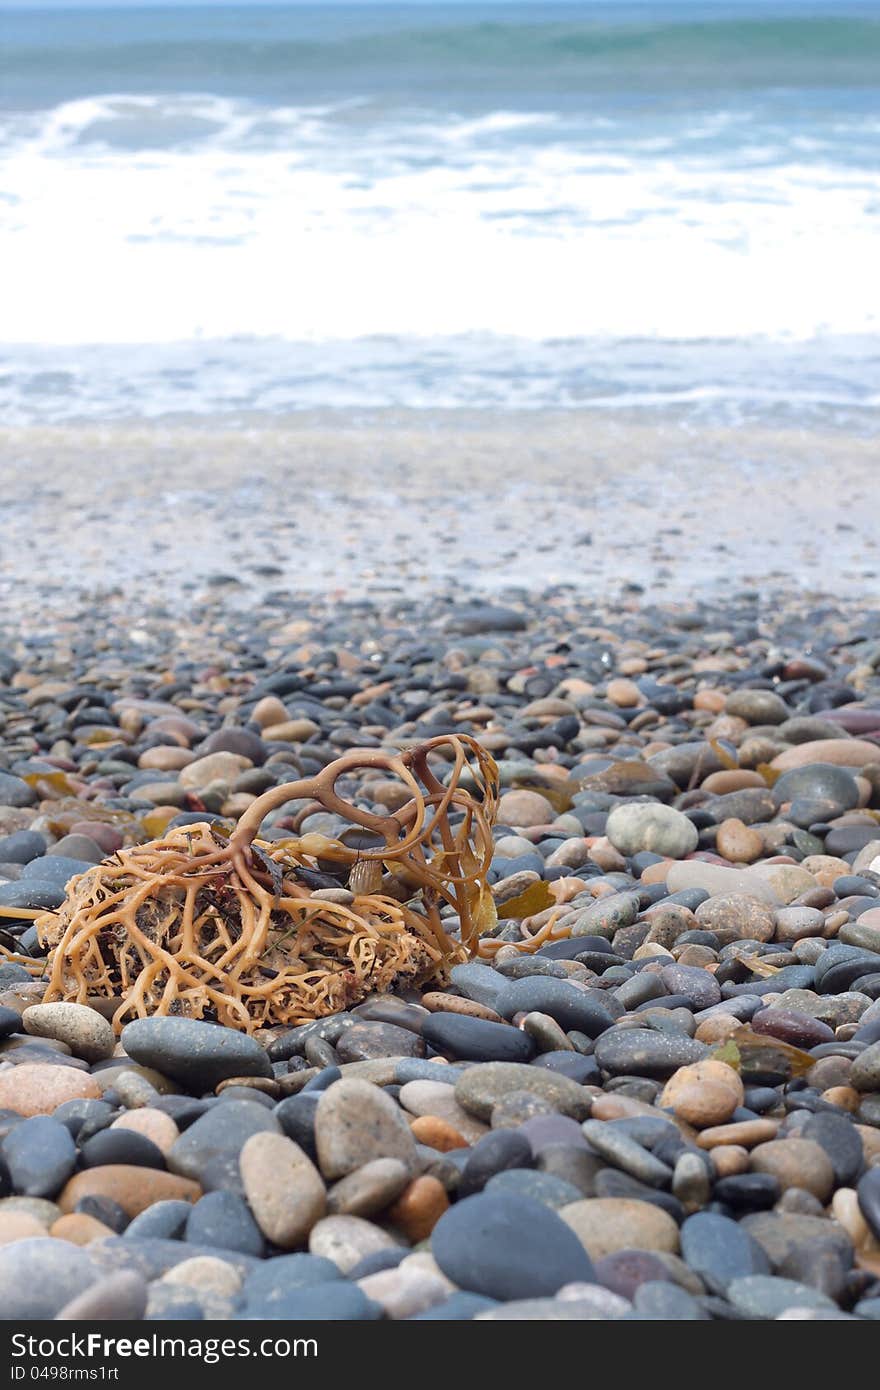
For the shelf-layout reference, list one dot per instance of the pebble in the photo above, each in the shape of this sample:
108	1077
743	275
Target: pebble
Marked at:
719	1250
133	1188
35	1088
38	1276
643	1052
604	1225
198	1055
86	1032
703	1094
369	1189
347	1239
654	827
356	1122
283	1188
481	1088
477	1040
508	1248
39	1155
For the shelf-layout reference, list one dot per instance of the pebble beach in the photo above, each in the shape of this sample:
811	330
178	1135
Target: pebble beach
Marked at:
669	1110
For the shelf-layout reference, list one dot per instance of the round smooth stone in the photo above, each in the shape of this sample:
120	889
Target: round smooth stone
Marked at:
764	1296
719	1250
644	1052
477	1040
86	1032
606	1224
498	1150
198	1055
507	1248
356	1122
40	1156
634	828
840	1139
39	1275
224	1220
528	1182
121	1146
571	1007
480	1089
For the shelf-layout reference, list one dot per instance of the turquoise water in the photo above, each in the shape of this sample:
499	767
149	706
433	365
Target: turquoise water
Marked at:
248	208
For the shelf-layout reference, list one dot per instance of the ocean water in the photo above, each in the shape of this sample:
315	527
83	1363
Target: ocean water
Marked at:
642	206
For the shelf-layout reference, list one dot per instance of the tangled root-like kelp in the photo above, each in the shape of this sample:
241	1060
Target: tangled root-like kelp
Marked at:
233	928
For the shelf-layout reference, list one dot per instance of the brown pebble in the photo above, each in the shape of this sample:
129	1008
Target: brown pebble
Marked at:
705	1094
623	693
419	1208
745	1132
437	1002
717	1029
737	842
79	1228
711	700
734	780
845	1097
153	1124
799	1163
19	1225
133	1188
37	1088
730	1159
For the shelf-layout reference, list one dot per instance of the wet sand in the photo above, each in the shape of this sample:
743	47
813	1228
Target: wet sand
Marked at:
356	503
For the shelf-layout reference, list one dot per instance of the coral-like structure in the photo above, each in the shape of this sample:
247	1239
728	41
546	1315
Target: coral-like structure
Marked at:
235	929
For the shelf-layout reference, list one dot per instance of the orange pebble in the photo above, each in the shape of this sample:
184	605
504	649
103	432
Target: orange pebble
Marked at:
711	700
438	1134
846	1097
419	1208
79	1228
730	1159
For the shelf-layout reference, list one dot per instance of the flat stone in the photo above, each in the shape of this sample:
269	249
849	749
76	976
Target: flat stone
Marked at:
840	752
623	1152
368	1041
572	1008
482	1087
643	1052
86	1033
719	881
133	1188
508	1248
198	1055
37	1088
764	1296
474	1039
369	1189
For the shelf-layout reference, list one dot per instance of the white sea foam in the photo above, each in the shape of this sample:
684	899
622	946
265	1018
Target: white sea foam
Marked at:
153	220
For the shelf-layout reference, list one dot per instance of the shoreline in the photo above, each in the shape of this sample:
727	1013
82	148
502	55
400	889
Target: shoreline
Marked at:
425	501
